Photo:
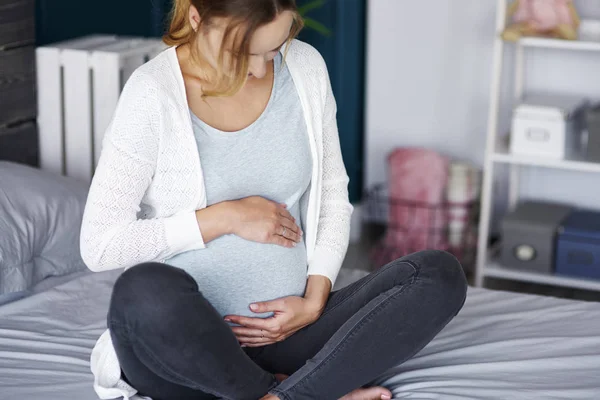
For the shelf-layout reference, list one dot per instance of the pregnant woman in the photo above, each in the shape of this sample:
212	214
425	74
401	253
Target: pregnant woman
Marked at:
221	189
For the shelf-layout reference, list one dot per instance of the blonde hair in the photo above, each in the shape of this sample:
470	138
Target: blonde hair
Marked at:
245	16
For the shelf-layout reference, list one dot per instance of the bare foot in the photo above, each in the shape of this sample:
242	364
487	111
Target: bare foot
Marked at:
372	393
280	378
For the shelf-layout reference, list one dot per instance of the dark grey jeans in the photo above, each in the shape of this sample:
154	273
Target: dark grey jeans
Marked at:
172	344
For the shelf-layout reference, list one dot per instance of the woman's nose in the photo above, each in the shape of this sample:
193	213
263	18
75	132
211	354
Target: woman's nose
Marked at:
258	67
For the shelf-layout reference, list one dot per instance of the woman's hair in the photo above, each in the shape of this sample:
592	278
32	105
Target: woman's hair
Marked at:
245	17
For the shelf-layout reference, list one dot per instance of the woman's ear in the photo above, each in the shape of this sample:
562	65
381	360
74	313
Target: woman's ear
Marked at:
194	17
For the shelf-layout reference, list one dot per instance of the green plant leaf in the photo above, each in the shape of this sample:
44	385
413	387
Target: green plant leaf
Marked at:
303	10
317	26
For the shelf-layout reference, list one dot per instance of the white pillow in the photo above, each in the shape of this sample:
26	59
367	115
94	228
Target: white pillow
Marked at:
40	220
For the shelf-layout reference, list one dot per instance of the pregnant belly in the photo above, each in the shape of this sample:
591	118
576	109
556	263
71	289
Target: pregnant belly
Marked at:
232	273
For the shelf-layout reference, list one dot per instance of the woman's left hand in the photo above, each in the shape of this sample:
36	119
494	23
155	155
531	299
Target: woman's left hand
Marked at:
290	315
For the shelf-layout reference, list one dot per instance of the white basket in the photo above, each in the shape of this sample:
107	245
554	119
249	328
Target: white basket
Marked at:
79	83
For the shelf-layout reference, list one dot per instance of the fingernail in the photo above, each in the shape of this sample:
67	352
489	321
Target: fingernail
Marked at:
385	397
301	233
227	320
247	346
253	307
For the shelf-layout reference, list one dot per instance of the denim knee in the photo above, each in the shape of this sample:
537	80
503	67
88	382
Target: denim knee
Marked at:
445	273
147	275
141	290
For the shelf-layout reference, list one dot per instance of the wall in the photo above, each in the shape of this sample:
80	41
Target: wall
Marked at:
427	82
66	19
428	77
343	52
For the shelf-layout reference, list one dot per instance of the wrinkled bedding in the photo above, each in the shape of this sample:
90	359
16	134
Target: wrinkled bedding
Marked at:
501	346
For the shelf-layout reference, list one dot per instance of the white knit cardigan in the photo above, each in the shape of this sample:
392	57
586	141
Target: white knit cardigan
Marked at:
149	183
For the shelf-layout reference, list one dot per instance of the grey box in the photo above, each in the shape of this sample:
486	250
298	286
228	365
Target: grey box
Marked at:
529	236
19	143
593	128
17	23
17	85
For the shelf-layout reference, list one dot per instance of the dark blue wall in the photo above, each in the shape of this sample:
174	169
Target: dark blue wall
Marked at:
343	50
65	19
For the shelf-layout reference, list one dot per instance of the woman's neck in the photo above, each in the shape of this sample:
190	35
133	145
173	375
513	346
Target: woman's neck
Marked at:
196	68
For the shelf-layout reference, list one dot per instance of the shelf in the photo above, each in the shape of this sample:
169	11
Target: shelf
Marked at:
575	45
486	267
502	155
495	270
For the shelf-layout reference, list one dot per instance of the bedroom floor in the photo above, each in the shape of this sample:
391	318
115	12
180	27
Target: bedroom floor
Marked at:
358	258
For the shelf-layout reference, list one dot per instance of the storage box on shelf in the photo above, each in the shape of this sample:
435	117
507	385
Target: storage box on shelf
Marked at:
498	152
593	134
548	125
578	246
529	236
549	243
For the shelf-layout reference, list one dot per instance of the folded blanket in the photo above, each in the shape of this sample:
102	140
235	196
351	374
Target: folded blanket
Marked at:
417	216
464	185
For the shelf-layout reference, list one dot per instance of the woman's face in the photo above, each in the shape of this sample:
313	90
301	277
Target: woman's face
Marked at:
264	44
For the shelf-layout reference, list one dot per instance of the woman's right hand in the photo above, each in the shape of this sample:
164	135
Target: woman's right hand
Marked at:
260	220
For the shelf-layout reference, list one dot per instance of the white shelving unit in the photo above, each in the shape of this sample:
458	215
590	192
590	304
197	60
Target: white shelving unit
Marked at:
503	156
496	152
494	270
560	44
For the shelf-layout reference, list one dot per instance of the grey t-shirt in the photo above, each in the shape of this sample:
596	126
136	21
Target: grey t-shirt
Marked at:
270	158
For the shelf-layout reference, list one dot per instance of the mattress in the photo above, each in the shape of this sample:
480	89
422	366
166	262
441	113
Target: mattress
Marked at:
500	346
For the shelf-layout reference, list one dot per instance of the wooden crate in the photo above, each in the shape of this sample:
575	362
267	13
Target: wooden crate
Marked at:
17	23
80	82
19	143
17	85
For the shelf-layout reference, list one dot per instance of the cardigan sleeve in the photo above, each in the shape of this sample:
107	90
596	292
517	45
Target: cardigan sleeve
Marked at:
112	236
333	230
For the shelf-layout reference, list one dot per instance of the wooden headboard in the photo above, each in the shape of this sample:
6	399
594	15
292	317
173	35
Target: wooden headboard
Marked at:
20	143
18	130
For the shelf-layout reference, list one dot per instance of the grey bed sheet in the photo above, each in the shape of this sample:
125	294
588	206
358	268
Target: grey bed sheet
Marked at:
44	285
501	346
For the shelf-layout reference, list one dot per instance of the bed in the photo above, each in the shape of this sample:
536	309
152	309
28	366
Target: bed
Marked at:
501	346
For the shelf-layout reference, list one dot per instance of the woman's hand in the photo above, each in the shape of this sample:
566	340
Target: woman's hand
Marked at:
290	315
263	221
